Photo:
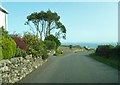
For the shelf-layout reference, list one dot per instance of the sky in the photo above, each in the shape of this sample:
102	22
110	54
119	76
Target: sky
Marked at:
94	22
59	0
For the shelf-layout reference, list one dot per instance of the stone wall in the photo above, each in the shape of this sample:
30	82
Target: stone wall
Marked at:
15	69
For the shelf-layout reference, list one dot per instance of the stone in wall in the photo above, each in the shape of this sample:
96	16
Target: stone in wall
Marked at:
15	69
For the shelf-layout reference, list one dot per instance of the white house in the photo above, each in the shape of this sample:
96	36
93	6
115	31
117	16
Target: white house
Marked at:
3	18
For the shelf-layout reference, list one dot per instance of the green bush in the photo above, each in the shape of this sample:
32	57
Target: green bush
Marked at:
0	43
108	51
44	55
116	52
53	38
58	52
30	39
70	46
3	31
51	45
20	53
32	43
8	46
35	45
104	50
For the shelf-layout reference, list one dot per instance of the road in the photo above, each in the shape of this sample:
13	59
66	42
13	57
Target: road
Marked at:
72	68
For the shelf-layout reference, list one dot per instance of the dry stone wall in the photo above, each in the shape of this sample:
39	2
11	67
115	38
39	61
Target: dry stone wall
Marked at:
15	69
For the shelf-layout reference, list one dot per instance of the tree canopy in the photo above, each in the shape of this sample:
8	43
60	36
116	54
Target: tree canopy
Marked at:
45	22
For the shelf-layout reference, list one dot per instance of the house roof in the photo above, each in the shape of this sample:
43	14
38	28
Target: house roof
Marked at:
3	10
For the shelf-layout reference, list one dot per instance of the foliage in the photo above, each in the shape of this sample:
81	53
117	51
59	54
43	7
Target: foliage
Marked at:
51	45
53	38
30	39
45	22
20	53
3	31
108	51
44	55
58	52
8	46
32	43
108	54
35	45
20	42
116	51
103	50
70	46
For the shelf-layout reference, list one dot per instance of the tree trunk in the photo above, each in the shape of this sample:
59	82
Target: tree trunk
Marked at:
48	29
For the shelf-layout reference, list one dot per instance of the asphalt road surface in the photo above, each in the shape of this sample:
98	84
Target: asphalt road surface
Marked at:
72	68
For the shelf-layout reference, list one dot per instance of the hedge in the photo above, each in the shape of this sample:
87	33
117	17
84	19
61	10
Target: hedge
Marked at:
108	51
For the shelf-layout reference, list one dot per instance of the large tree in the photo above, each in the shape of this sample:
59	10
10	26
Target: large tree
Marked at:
45	22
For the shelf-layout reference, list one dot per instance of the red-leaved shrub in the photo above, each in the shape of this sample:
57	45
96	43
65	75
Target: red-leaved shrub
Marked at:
20	42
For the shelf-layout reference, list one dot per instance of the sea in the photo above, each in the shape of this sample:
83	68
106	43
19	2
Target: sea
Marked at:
89	45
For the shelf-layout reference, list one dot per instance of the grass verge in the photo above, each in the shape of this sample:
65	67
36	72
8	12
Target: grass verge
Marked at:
109	61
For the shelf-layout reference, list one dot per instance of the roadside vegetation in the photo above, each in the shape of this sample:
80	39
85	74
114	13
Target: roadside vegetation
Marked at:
8	45
70	48
108	54
39	41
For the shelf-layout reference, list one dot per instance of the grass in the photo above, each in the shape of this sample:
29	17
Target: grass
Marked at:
109	61
59	54
66	49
